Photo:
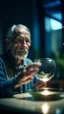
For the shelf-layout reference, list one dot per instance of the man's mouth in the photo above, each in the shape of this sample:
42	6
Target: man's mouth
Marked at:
22	51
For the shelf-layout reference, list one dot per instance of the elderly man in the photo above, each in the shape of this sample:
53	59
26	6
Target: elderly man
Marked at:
17	72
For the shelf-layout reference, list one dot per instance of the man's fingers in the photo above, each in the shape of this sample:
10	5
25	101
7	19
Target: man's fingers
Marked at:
27	74
26	80
23	82
40	86
32	72
33	66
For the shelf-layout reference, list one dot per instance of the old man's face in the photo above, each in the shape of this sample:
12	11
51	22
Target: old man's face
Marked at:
20	45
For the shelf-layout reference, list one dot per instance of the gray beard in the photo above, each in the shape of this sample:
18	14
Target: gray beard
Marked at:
21	57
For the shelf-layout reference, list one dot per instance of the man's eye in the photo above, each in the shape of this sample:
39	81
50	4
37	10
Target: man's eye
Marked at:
21	41
27	41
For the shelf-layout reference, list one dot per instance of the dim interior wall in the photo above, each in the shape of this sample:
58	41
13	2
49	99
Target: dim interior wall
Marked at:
1	41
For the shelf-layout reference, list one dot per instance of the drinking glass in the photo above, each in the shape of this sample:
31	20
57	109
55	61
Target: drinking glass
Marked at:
47	69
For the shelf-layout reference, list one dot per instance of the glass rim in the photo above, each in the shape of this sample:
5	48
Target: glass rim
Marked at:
44	59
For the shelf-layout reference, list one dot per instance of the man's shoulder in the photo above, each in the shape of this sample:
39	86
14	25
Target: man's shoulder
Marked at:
2	57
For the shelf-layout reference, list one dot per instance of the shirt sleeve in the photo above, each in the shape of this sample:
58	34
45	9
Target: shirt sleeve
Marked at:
6	89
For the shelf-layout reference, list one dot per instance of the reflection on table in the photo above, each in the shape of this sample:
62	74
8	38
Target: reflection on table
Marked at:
26	103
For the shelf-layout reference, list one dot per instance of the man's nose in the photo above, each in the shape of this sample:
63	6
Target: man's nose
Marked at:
23	43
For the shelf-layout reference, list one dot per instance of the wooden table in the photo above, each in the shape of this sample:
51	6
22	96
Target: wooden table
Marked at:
26	104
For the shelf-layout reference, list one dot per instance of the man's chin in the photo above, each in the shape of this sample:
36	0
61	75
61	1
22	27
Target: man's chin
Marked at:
21	56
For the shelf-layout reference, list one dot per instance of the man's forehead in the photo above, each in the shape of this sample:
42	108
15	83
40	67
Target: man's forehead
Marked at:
24	33
24	30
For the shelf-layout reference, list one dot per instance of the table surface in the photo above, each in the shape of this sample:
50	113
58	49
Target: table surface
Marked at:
25	103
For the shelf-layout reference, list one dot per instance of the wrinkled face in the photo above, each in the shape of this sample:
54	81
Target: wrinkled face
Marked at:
20	45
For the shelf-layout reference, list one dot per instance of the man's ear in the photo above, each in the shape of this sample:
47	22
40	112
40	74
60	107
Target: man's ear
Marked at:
8	44
6	40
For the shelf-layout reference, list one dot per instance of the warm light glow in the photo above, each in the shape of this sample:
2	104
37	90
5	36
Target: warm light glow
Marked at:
45	108
45	79
45	92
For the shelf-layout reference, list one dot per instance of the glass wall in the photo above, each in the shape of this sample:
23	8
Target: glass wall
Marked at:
53	34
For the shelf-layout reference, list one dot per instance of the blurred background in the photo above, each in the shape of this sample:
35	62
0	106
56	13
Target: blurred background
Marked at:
45	19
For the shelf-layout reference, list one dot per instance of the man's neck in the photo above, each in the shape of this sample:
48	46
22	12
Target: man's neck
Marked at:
18	61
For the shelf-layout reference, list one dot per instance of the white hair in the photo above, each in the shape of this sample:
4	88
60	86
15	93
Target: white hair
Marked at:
12	29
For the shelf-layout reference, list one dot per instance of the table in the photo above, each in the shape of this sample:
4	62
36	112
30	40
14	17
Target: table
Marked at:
25	104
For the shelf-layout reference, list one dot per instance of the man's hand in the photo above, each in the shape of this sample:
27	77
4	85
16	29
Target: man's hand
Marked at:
39	85
27	75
